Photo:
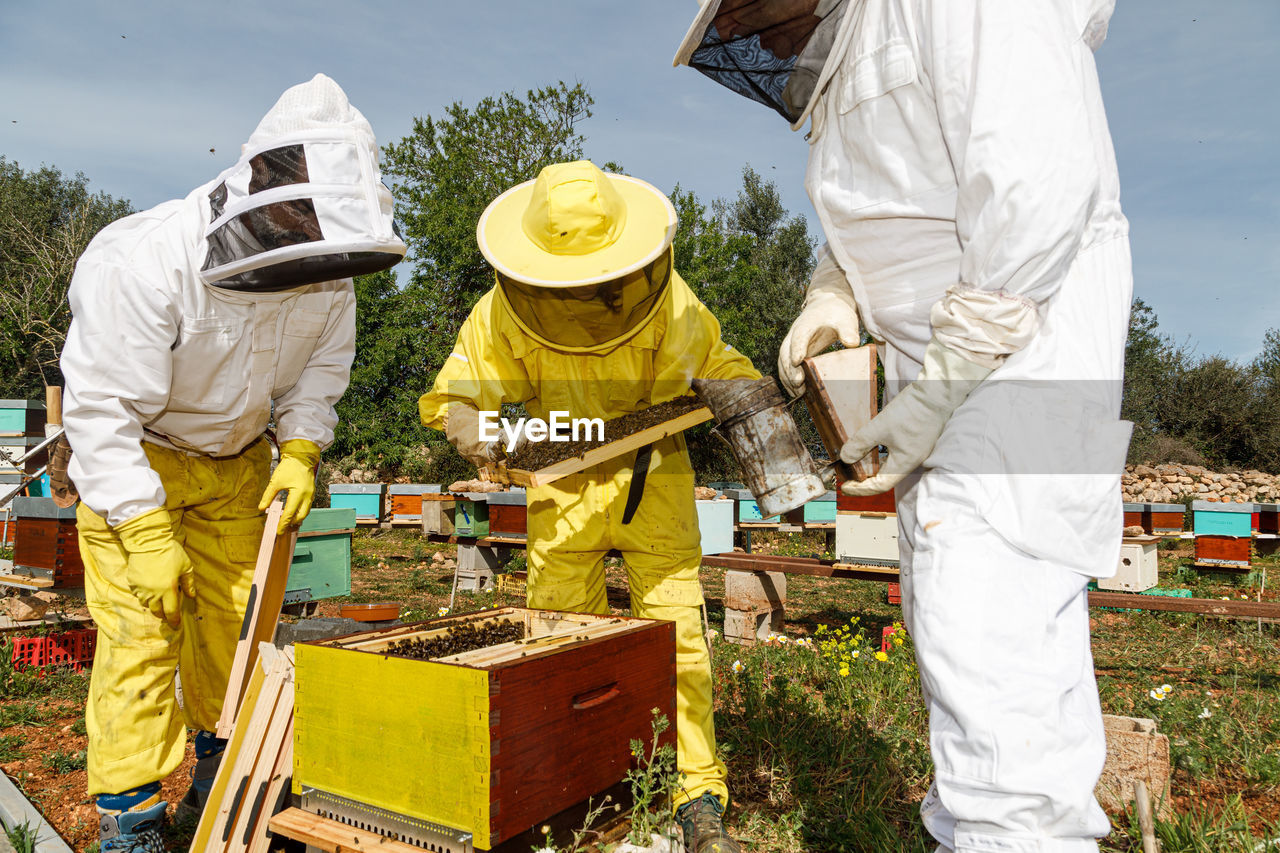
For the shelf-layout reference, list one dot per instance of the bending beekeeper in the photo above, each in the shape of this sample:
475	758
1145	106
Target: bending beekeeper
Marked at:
195	323
589	317
963	172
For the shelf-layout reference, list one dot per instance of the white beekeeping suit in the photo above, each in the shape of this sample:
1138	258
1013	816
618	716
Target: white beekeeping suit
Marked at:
195	323
962	169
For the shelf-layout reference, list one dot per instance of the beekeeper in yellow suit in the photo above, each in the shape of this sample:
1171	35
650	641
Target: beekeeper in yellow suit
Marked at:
588	317
195	322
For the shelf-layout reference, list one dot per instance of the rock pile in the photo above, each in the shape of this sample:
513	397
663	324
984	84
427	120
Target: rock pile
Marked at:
1175	483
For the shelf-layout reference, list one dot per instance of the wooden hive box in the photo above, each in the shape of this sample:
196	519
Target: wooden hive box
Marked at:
321	563
491	741
1163	519
842	396
469	514
405	501
22	417
509	514
13	448
1268	518
1134	516
882	502
1233	552
46	544
1222	519
365	498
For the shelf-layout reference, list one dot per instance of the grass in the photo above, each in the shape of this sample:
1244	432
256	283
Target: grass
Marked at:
64	761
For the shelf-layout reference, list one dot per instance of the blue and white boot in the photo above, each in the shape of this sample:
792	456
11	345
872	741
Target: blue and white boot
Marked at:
131	822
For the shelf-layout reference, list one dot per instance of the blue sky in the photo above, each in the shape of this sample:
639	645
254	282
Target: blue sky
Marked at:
134	94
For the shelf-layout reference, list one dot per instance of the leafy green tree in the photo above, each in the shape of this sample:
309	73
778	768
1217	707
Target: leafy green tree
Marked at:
443	175
46	220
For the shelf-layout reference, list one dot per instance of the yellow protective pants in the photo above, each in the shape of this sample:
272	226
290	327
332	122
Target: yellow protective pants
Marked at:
574	521
136	734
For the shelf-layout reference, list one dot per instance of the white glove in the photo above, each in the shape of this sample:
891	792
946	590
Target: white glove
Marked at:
462	428
912	422
829	314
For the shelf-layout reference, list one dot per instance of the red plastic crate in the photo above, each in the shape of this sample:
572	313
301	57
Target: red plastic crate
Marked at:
895	593
73	648
886	636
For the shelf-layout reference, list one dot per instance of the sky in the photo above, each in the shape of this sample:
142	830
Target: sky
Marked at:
135	93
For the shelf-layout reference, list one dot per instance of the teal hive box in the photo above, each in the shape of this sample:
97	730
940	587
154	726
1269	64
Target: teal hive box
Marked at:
748	509
821	510
322	558
22	417
1222	519
470	514
365	498
715	523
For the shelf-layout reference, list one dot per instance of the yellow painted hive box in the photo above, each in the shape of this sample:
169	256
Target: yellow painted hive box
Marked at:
488	741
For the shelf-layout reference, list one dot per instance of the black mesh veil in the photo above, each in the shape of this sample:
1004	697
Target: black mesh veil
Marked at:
770	51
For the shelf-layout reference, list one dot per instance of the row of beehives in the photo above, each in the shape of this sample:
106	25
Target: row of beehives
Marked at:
1224	532
46	550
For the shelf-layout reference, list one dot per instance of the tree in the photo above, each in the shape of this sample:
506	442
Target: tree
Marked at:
443	174
46	221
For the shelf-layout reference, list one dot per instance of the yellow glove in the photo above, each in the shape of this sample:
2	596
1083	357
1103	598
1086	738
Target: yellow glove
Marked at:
297	473
157	564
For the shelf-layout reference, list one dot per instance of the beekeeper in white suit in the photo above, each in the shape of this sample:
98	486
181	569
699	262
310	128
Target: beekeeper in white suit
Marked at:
962	169
195	323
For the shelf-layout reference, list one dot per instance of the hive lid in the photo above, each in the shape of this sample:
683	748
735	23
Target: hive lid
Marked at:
356	488
24	507
413	489
1210	506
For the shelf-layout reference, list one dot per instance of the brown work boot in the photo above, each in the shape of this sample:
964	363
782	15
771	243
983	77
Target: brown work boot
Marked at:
703	826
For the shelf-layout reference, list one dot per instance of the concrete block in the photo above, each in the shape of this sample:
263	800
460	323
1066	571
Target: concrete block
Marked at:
1135	750
747	627
1138	569
474	558
755	590
476	580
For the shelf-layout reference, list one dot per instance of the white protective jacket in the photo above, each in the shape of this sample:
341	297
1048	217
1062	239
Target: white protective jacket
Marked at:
191	348
963	172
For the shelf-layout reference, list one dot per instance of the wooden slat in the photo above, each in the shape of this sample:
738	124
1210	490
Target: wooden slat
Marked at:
266	597
1204	606
281	775
605	452
840	393
263	767
26	581
333	837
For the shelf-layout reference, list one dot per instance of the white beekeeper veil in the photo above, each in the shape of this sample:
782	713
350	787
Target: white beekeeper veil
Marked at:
305	203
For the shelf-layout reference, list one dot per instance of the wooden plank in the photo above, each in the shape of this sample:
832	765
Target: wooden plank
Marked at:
605	452
333	837
266	597
1205	606
255	799
26	581
840	393
238	794
202	842
277	789
311	533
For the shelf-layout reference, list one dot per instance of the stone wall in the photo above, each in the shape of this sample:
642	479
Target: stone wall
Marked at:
1175	483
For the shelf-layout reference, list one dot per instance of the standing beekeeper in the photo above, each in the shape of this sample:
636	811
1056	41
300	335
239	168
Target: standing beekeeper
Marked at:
588	317
194	323
962	169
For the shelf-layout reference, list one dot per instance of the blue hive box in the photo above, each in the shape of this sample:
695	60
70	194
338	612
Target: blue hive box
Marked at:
322	558
365	498
1222	519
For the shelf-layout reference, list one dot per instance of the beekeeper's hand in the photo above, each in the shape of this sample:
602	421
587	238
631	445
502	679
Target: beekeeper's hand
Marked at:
462	428
295	473
157	565
829	314
912	422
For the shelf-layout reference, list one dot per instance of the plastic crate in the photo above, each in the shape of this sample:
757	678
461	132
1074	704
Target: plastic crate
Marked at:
73	648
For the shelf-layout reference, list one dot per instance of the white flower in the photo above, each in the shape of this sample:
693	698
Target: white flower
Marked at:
1206	714
856	652
443	611
1156	695
737	666
713	634
1165	688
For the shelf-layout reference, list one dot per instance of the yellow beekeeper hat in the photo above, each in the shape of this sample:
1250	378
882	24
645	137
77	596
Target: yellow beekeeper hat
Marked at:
575	225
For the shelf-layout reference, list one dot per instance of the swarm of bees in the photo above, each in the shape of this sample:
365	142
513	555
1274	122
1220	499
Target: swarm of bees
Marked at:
463	637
